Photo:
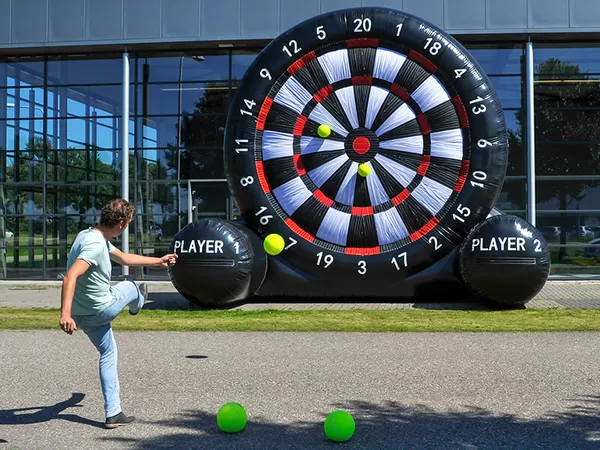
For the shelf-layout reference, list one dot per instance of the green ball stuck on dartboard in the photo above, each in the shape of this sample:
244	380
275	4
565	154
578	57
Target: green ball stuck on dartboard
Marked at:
364	170
339	426
324	130
273	244
232	417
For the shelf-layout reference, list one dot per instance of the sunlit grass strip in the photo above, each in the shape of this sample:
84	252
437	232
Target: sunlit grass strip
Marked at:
326	320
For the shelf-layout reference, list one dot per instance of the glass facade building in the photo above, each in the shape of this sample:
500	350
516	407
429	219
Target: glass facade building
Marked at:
61	141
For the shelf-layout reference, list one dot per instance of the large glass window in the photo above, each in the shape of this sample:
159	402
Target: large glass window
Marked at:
59	139
567	118
60	148
182	100
182	104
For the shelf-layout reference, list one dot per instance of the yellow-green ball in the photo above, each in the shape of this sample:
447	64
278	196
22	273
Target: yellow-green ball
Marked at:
273	244
364	169
339	426
232	417
324	130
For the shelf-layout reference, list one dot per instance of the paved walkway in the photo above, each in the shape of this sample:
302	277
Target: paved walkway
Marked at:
405	390
46	294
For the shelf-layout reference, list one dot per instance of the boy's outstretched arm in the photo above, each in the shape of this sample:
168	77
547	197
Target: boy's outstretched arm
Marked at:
131	259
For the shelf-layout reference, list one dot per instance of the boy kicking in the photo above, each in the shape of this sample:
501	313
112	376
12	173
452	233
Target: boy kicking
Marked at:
91	303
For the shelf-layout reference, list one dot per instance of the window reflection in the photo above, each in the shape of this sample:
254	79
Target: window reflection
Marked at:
584	58
513	196
509	90
498	61
77	199
240	63
210	199
568	193
22	71
155	198
567	129
86	101
202	163
73	69
82	165
574	240
159	164
166	99
192	66
156	230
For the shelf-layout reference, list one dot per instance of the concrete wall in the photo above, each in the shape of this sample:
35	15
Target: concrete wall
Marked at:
39	23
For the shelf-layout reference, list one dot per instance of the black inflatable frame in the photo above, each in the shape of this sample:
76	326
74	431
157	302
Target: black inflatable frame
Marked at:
427	265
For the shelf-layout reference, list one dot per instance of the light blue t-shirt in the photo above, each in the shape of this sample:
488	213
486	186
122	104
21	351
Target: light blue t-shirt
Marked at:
92	291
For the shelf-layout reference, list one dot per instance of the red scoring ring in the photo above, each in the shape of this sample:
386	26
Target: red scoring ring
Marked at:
361	145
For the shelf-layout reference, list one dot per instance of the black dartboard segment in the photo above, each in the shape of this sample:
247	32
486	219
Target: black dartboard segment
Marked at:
401	100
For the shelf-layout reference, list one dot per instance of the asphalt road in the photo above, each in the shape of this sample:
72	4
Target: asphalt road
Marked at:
405	390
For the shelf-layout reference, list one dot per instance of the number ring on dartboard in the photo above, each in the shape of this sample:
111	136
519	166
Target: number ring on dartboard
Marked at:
387	107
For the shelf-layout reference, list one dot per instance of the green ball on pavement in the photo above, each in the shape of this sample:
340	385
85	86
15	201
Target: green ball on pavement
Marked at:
324	130
339	426
232	418
273	244
364	169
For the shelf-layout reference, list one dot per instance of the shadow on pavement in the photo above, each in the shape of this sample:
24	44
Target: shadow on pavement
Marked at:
22	416
392	426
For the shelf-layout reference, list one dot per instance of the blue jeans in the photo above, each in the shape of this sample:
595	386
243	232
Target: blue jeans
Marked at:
98	329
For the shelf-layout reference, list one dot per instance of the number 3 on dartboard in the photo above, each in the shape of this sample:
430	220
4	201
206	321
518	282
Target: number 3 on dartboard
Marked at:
362	267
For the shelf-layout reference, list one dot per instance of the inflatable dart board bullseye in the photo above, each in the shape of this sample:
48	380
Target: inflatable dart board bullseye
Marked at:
368	139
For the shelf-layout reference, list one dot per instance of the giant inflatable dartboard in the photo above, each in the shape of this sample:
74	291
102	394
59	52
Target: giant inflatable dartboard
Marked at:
399	96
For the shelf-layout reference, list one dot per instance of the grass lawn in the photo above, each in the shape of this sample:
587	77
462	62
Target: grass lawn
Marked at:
537	320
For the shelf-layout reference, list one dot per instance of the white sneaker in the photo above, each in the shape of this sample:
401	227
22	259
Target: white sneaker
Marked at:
144	292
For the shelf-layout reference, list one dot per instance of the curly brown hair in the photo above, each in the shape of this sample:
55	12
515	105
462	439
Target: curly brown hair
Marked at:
115	211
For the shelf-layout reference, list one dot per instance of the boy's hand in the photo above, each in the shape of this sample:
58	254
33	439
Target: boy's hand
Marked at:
68	324
168	260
